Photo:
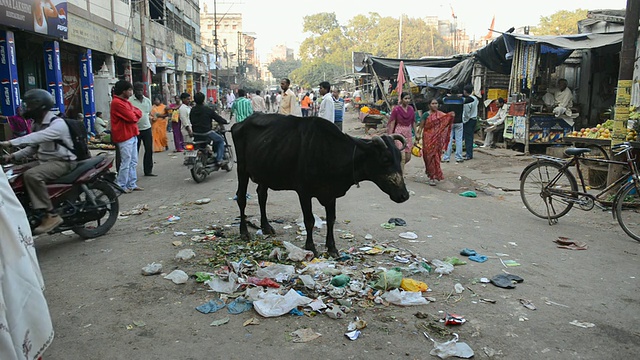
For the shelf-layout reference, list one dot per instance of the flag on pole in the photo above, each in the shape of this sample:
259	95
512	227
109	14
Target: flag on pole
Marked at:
400	80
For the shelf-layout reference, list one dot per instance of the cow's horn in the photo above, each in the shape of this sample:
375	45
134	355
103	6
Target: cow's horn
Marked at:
401	139
378	141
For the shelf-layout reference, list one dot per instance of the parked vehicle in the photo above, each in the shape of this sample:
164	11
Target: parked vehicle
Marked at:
86	198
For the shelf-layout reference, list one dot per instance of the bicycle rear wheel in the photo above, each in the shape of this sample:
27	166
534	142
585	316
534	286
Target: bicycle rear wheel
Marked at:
542	201
627	207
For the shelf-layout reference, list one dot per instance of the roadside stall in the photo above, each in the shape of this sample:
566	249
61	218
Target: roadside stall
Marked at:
536	61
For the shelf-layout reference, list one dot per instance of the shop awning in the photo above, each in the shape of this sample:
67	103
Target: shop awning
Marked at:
572	42
421	75
388	67
458	75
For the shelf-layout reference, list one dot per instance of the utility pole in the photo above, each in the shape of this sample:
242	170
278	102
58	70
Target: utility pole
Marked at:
143	46
215	42
400	38
625	81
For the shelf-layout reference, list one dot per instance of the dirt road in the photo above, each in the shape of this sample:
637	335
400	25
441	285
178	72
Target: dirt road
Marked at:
103	308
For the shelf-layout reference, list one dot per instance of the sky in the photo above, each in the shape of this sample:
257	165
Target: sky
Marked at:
280	21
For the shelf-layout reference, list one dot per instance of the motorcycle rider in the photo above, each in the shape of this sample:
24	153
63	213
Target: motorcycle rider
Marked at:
200	117
55	160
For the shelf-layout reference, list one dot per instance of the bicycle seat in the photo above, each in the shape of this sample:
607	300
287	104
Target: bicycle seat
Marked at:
576	151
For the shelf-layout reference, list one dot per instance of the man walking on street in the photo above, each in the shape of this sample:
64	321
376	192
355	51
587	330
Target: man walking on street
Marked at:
183	113
257	102
338	104
469	120
241	107
327	109
124	133
454	102
287	103
144	126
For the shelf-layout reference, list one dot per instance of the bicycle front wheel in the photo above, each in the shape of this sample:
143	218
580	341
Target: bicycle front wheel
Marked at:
545	188
627	207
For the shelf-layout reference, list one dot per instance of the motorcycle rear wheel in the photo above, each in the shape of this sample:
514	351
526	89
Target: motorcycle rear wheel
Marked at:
198	172
105	194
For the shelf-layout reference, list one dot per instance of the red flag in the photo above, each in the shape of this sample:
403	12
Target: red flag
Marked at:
401	80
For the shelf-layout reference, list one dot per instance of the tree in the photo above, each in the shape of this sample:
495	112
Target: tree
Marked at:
315	71
283	68
562	22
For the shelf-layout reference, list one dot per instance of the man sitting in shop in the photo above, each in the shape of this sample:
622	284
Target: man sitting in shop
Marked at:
495	123
563	99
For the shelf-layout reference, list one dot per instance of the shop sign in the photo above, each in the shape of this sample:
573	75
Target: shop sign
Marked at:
188	49
88	99
190	84
89	35
8	74
189	66
53	73
151	60
44	17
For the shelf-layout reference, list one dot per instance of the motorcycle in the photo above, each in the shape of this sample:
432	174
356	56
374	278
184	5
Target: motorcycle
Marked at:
200	157
86	198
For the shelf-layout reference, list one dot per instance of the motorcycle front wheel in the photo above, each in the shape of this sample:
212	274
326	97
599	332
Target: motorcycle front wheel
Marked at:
106	203
199	172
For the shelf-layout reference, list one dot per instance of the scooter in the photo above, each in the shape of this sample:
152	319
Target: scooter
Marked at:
200	158
86	198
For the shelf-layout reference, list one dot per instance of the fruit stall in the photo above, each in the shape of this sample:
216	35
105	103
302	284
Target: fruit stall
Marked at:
371	117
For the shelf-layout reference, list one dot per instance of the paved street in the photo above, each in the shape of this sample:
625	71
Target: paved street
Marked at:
95	289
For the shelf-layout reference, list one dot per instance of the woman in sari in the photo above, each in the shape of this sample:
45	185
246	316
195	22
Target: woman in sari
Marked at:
403	122
435	130
19	125
159	120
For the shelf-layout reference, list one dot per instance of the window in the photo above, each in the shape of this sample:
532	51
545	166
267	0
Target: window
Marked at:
234	27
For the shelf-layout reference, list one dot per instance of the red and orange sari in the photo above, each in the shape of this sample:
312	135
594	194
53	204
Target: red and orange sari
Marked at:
435	137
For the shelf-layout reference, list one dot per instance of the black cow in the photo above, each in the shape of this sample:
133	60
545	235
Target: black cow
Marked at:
314	158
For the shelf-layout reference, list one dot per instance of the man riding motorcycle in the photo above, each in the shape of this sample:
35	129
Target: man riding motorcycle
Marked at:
55	159
201	116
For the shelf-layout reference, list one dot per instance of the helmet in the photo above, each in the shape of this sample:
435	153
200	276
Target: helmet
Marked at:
35	101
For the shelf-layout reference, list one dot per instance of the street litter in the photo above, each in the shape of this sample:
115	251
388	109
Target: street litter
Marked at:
276	305
202	276
226	287
566	243
341	280
442	268
317	222
152	269
391	279
177	276
296	253
453	319
506	281
357	324
527	303
450	348
203	201
413	285
185	254
179	233
478	258
458	288
252	321
137	210
401	259
509	263
404	298
584	325
219	322
176	243
304	335
469	194
468	252
408	235
388	226
397	221
454	261
239	305
173	218
347	236
353	335
211	306
368	237
335	313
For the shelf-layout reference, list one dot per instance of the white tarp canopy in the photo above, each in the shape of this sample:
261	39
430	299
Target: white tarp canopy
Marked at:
573	42
417	74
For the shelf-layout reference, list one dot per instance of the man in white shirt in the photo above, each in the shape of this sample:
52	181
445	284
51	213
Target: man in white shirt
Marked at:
144	125
563	99
495	123
184	111
327	108
230	99
469	119
257	103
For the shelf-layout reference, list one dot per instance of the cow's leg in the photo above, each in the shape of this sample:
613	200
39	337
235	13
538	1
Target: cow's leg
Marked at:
309	221
267	229
241	195
330	208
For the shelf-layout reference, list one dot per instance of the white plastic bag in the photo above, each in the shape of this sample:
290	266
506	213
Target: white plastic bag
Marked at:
450	348
404	298
178	277
442	268
296	253
226	287
277	272
277	305
185	254
308	281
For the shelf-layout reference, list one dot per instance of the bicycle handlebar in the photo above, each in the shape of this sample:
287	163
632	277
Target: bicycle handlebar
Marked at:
623	147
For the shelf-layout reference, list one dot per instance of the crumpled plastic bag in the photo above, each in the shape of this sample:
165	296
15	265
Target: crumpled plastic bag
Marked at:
226	287
239	305
211	306
273	305
257	293
185	254
296	253
177	276
404	298
413	285
388	280
152	269
317	221
450	348
308	281
278	272
442	268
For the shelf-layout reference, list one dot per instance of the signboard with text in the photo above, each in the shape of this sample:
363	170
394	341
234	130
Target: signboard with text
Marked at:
8	74
53	73
88	100
48	17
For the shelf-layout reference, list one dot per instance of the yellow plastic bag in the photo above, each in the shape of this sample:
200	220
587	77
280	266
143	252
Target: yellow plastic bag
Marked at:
413	285
416	150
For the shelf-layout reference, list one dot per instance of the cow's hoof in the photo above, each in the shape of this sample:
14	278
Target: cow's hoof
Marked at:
313	250
333	253
268	230
245	237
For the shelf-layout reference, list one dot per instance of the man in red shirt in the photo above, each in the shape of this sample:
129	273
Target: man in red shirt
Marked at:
124	133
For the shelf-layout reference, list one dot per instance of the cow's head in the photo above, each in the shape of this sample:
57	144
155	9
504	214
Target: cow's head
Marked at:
383	166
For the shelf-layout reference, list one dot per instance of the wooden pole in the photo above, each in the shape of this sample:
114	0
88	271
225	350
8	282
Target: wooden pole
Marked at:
625	81
375	75
143	45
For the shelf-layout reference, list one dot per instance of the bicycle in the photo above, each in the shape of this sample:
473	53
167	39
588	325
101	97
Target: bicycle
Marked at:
549	190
